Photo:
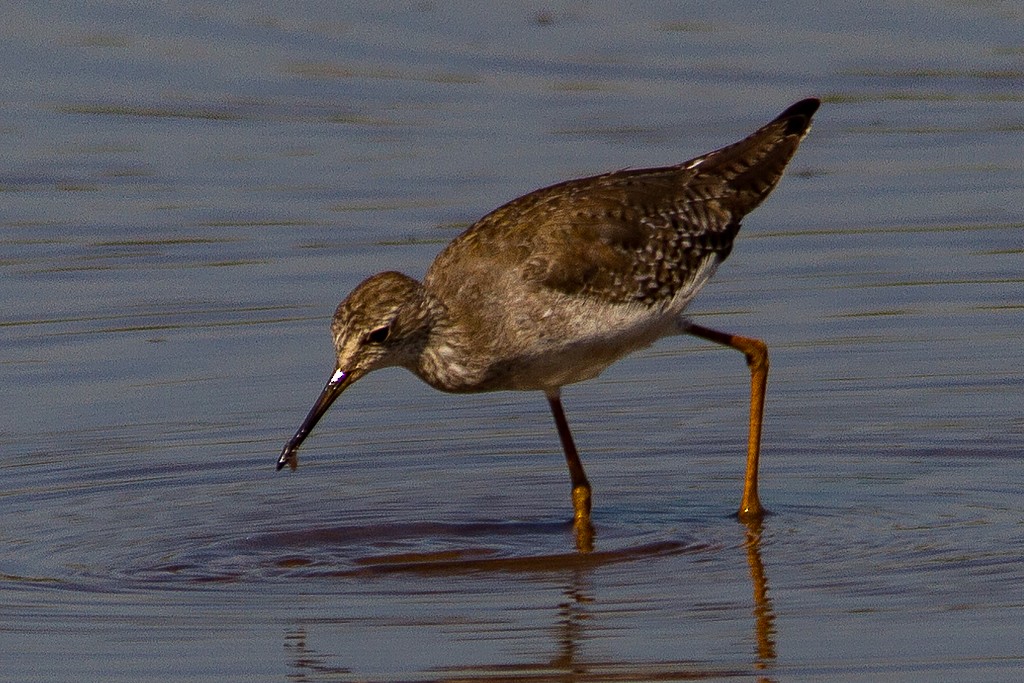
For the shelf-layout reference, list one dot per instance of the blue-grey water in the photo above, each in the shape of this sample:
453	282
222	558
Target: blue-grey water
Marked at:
187	190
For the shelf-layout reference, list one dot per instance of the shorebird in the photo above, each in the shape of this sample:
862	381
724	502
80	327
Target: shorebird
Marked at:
553	287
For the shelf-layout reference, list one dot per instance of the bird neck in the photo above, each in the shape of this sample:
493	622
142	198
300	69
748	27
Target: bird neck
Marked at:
445	361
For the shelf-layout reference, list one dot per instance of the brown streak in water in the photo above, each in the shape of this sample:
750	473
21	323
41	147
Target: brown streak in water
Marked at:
597	671
293	562
460	562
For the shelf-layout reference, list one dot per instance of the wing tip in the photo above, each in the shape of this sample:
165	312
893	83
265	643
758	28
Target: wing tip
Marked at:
798	115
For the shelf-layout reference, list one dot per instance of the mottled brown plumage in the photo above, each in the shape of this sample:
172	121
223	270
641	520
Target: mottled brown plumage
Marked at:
556	285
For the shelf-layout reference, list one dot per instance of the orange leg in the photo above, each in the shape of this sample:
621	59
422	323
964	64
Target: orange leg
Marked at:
580	484
756	352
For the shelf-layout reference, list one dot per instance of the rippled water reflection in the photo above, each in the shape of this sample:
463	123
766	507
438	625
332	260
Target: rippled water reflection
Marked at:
187	193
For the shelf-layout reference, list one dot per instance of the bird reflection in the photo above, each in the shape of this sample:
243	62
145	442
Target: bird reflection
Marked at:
577	618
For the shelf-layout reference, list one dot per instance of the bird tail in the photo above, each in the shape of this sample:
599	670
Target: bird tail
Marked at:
752	167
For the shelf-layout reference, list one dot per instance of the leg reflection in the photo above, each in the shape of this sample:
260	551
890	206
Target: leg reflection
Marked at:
570	628
764	613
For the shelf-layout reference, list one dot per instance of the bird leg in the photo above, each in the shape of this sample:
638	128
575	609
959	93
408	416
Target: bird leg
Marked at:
580	484
756	352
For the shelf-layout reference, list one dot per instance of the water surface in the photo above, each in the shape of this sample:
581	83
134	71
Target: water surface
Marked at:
187	193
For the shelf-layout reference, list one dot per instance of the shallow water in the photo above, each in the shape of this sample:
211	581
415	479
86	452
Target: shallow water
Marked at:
187	193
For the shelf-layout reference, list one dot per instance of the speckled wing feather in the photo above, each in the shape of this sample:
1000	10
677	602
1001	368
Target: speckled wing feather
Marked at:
642	235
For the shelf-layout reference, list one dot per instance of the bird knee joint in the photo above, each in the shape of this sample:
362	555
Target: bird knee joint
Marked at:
756	353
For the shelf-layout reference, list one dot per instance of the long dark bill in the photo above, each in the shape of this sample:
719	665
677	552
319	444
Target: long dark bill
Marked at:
335	385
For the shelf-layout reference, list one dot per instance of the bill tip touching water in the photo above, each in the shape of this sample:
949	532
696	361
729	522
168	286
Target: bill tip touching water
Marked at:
554	286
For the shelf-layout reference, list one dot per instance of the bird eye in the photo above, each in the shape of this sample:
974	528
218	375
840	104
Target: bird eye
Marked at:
379	335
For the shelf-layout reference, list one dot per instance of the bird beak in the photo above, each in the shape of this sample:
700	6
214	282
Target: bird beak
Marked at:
332	390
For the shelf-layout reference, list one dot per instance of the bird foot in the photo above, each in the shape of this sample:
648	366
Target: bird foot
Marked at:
751	511
584	535
581	523
581	501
